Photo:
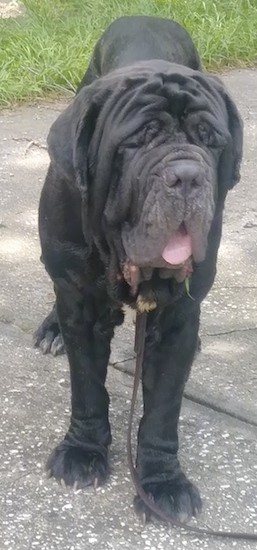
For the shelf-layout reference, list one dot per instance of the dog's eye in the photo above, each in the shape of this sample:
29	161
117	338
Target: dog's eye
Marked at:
128	145
206	134
210	137
151	131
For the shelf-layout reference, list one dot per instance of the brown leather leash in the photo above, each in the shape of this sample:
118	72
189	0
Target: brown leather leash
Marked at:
140	332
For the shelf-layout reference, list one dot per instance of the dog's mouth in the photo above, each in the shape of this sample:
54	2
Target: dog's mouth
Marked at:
176	260
178	249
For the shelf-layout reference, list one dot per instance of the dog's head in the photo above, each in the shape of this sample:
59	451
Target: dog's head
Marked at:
154	148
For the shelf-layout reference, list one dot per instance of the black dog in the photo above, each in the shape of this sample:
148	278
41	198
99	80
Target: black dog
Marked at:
141	162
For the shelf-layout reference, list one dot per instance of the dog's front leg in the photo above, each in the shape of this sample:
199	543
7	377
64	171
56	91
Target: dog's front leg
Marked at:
81	458
170	347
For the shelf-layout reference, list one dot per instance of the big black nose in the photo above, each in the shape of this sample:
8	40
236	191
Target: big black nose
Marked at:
187	175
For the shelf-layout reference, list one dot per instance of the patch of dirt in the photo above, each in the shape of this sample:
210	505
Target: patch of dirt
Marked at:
10	8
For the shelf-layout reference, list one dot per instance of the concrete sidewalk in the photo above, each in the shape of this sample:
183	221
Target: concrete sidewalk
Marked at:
219	417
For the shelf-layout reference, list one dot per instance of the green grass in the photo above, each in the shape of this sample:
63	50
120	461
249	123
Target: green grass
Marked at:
45	52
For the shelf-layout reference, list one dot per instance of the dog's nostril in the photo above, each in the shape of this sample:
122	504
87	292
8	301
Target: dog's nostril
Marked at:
195	183
188	182
177	183
188	175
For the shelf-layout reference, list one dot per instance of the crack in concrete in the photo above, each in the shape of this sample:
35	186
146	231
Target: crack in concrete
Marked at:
217	408
230	331
195	399
115	363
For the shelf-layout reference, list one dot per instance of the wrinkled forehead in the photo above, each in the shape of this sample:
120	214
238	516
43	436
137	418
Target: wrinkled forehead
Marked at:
146	69
148	91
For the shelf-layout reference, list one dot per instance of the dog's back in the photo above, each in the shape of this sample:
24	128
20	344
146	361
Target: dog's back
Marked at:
139	38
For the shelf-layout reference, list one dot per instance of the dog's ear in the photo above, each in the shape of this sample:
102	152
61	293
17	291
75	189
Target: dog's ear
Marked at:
69	140
235	124
70	135
59	143
231	158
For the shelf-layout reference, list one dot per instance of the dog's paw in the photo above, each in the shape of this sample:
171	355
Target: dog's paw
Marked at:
48	336
50	343
76	467
178	499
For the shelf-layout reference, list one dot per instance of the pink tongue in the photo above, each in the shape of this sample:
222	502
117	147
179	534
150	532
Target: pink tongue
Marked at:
178	249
